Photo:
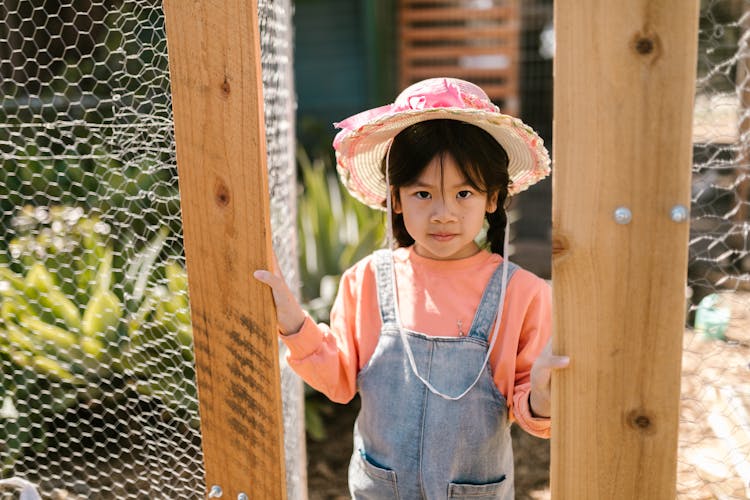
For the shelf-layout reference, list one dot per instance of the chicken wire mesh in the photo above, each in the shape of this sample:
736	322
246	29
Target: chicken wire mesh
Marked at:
714	449
98	398
97	394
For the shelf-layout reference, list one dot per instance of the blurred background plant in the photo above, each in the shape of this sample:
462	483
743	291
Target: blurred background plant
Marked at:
80	317
335	231
70	168
90	302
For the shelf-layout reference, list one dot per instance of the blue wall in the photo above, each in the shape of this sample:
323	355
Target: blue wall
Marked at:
343	62
329	63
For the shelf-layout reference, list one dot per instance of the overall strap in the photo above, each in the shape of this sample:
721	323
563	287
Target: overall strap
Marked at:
384	281
488	306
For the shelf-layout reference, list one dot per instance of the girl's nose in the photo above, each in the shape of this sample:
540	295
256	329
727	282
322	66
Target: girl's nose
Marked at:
442	211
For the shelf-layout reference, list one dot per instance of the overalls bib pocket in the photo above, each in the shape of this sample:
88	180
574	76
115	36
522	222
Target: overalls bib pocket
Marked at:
368	481
498	489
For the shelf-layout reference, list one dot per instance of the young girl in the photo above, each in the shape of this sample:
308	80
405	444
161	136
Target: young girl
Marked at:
443	340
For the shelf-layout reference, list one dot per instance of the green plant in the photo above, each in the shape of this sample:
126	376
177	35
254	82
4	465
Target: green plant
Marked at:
75	328
35	170
335	231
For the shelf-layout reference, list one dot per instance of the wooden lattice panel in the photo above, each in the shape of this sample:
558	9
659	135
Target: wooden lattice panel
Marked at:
477	40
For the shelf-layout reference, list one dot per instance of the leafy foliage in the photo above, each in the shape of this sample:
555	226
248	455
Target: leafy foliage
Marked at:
43	172
335	232
74	328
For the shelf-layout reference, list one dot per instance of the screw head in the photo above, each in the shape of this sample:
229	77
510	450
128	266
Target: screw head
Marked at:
679	213
242	496
215	491
623	215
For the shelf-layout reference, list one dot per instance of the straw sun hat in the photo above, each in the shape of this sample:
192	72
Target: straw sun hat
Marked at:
364	138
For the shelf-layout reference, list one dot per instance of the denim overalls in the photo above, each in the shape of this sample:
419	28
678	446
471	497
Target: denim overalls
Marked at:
410	443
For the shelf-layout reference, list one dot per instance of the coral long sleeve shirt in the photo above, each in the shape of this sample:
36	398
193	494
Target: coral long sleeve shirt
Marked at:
435	297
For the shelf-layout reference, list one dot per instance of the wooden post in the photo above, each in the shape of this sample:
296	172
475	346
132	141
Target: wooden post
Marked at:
214	59
624	89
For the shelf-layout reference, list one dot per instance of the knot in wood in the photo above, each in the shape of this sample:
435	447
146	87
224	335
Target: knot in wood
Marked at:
647	45
225	88
222	195
641	421
560	247
644	45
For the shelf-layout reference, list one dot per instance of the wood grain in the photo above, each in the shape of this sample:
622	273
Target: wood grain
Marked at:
624	89
447	13
214	58
453	39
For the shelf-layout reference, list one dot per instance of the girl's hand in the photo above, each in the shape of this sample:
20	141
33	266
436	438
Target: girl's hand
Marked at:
541	375
288	311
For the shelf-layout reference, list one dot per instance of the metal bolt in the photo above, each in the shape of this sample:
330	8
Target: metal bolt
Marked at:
242	496
623	215
679	213
215	491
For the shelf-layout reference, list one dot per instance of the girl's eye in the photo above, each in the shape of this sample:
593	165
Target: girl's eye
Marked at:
463	194
422	195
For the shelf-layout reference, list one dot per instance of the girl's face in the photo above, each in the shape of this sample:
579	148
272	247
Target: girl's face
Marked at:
442	212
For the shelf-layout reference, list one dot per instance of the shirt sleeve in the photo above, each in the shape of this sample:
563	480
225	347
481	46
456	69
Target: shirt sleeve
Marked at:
326	356
536	330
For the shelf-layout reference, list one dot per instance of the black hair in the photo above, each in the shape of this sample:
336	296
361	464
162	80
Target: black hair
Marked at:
480	158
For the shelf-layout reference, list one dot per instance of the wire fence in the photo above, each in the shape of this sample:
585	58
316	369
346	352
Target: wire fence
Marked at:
714	453
97	394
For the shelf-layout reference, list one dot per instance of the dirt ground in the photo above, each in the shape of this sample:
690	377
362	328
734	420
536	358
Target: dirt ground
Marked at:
714	449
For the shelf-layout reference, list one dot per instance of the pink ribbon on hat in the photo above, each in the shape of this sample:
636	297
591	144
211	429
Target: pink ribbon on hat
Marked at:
429	94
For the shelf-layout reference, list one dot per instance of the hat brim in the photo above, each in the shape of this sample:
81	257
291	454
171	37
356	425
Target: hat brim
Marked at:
360	153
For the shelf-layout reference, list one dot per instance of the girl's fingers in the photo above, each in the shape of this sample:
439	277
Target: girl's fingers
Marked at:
558	361
545	366
288	312
263	276
273	280
548	360
281	294
541	371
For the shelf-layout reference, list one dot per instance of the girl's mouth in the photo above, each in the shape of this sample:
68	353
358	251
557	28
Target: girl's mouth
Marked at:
442	236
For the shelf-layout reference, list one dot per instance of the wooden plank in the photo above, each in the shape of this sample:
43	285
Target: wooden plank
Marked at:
497	91
622	137
431	3
442	52
498	34
421	72
502	33
449	14
214	59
